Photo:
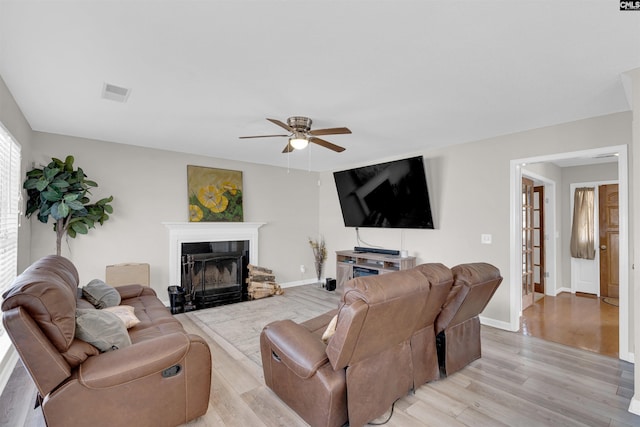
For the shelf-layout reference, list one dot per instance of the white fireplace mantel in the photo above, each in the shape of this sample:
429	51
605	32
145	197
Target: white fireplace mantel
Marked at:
193	232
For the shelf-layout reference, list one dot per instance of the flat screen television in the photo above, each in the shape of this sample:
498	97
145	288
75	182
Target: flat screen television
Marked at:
386	195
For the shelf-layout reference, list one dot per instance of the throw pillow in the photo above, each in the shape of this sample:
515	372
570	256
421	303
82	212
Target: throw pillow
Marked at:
126	313
102	329
100	294
331	329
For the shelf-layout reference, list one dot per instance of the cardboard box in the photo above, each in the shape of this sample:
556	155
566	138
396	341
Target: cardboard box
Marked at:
127	274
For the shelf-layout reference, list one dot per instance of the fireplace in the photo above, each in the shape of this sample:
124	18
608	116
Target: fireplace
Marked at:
214	273
229	246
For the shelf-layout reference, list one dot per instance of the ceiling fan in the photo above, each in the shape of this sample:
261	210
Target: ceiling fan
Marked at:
300	134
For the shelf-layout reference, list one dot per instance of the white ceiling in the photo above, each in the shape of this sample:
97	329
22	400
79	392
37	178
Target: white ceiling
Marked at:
404	76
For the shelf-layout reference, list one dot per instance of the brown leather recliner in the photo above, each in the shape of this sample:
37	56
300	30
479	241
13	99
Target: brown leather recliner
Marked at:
425	356
458	324
162	379
366	365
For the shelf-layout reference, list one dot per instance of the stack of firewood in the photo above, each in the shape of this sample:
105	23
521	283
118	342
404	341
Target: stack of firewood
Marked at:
261	283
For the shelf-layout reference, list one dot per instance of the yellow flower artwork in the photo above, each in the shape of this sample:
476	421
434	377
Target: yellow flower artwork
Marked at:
215	195
195	213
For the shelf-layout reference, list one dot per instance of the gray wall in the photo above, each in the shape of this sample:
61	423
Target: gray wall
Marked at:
150	187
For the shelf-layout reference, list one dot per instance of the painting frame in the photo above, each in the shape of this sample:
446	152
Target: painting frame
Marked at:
214	195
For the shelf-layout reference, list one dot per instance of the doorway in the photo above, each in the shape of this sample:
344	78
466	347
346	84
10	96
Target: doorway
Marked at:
600	276
527	243
615	153
533	237
582	316
539	238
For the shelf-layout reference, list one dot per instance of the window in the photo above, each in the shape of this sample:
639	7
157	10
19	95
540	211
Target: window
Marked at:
583	227
10	191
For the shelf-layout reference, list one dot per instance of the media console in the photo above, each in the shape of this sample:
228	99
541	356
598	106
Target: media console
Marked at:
350	264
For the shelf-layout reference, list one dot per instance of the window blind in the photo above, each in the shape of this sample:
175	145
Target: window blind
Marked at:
10	191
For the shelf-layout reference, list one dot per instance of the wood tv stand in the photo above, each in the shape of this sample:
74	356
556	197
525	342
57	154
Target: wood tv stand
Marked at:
367	263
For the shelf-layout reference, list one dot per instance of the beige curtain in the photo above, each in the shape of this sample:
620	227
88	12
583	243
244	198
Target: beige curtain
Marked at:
582	230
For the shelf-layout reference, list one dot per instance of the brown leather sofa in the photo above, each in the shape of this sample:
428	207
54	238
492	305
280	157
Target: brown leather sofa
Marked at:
425	356
458	324
384	329
162	379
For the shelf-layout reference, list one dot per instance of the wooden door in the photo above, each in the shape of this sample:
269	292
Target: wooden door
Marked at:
538	239
527	243
609	246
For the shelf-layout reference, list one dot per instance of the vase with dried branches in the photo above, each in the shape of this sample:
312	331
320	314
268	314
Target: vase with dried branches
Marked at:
319	248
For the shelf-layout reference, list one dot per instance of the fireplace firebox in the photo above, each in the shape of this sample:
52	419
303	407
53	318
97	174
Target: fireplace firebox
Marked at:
214	273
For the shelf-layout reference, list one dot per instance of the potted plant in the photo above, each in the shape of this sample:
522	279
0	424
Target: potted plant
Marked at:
61	192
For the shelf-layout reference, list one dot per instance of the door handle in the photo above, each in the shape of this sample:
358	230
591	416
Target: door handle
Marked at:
603	247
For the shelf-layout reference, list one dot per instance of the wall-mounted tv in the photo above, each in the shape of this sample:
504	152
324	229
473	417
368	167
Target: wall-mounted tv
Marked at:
387	195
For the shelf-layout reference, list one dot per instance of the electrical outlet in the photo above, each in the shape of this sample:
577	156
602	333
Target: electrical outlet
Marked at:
303	269
485	239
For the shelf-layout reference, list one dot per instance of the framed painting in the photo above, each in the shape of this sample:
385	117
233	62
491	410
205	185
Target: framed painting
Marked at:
215	195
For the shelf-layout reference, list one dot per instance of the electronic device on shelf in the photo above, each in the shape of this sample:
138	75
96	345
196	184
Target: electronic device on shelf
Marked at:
360	249
362	272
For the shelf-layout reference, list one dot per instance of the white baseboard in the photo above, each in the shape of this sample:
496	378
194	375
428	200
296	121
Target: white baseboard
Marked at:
560	290
628	357
496	324
299	283
634	406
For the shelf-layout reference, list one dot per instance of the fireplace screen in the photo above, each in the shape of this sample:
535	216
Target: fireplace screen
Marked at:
211	276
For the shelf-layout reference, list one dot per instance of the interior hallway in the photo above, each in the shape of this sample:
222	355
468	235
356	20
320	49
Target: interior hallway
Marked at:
582	321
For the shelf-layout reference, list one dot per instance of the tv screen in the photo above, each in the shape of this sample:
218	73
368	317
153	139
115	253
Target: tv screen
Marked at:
388	195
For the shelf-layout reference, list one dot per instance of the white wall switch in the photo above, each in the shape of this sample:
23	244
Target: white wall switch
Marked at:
485	239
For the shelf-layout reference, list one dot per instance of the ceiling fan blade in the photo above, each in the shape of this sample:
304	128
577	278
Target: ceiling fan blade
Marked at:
282	125
330	131
326	144
288	149
260	136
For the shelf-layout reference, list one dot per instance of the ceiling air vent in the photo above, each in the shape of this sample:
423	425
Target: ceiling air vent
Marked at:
115	93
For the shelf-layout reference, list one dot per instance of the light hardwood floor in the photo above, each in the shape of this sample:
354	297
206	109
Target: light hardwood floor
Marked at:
577	320
519	381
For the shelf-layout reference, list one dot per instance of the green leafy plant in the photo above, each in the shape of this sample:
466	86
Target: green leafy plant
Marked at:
60	192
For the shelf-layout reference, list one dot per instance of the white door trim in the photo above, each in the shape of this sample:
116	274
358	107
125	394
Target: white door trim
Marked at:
515	173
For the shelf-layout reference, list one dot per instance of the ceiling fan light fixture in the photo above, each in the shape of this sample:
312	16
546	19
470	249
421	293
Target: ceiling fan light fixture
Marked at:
298	142
300	134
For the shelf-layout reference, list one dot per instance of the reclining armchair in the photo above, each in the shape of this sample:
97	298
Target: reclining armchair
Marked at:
367	364
458	324
424	351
